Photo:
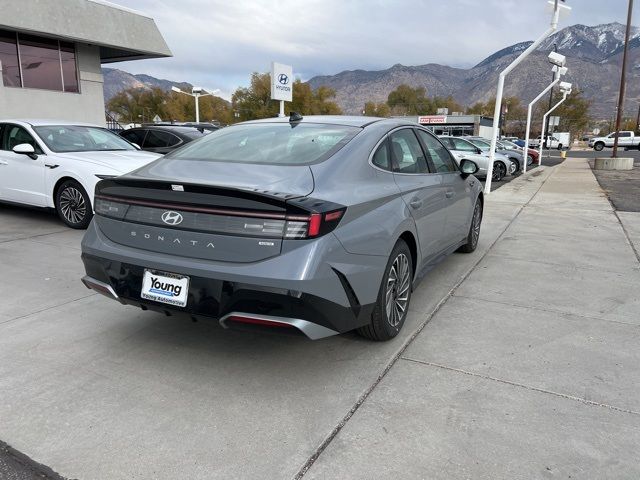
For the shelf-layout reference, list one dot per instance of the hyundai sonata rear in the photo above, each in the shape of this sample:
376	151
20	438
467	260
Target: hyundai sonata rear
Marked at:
283	225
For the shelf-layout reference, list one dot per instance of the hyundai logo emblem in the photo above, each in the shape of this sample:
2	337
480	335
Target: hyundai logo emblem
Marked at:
283	79
172	218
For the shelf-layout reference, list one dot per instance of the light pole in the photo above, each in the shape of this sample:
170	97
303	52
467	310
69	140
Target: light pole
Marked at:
496	113
565	88
558	72
196	92
622	80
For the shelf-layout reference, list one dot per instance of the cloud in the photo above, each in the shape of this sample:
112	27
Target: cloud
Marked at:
218	43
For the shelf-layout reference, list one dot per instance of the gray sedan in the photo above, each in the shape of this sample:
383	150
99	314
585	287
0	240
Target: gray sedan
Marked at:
317	225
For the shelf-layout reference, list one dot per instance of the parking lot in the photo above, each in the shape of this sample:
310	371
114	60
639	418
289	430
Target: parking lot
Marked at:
517	361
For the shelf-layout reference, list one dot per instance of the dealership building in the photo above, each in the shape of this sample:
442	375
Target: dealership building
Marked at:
457	125
51	52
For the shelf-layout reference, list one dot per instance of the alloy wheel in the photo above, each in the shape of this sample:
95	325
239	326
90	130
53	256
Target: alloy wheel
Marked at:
397	293
477	220
72	205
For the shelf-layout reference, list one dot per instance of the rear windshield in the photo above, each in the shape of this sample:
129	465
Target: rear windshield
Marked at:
269	143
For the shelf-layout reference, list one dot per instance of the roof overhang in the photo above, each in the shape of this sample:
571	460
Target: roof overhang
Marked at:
121	33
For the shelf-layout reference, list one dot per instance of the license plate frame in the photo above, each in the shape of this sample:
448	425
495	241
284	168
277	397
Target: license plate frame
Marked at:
165	287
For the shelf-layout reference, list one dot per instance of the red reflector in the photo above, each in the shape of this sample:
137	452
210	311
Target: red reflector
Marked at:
258	321
329	217
314	224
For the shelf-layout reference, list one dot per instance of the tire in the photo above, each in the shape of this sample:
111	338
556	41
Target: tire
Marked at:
474	229
559	146
529	160
598	146
517	163
388	317
499	171
73	205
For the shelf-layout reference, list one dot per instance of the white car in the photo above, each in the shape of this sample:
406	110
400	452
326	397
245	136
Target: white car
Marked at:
57	164
462	148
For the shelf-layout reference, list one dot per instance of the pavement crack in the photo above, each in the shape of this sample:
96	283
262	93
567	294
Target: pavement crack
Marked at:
522	385
341	424
627	236
47	308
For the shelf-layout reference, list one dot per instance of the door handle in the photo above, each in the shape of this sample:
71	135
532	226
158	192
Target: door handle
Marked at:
450	194
415	203
2	162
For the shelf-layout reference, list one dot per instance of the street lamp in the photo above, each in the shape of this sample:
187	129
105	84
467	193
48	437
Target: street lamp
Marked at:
558	72
565	88
498	108
196	92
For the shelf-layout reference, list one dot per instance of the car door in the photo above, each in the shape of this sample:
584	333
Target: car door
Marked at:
22	179
624	139
456	188
422	191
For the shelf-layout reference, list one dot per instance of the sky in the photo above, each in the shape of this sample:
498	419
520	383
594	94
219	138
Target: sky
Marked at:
217	44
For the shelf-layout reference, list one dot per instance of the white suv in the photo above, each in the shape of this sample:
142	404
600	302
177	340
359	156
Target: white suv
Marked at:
56	164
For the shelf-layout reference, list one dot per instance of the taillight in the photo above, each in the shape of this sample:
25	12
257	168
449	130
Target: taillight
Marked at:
314	225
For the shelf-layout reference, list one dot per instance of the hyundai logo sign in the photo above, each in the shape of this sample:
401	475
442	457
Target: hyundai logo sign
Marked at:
172	218
283	79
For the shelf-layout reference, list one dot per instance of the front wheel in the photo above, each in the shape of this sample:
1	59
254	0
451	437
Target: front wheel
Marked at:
394	296
529	160
73	205
474	229
516	163
598	146
559	146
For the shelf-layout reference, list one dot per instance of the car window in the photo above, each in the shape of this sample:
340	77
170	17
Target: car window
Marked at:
406	153
80	138
157	139
174	140
134	136
269	143
625	134
13	135
463	145
438	155
381	157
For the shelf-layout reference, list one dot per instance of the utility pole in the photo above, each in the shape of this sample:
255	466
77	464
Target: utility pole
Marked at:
622	80
638	120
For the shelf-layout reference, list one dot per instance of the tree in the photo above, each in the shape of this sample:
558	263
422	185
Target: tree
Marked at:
255	101
373	109
137	104
445	102
573	113
405	100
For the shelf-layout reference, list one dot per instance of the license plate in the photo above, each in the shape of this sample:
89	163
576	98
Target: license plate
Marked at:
165	287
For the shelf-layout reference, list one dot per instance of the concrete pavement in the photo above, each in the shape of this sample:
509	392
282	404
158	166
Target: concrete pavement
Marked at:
517	361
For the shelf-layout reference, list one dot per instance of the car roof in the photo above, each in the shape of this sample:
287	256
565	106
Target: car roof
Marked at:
174	128
38	122
346	120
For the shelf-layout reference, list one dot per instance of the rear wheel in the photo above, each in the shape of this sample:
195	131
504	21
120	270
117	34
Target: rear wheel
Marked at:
474	229
559	146
73	205
499	171
394	296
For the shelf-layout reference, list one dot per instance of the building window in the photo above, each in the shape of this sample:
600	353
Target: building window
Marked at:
36	62
9	59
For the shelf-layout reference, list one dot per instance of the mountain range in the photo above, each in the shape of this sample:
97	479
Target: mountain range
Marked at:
594	57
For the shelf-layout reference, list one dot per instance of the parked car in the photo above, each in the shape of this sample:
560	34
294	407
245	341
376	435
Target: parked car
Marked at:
464	149
162	139
532	155
322	224
558	140
626	139
514	159
211	127
54	164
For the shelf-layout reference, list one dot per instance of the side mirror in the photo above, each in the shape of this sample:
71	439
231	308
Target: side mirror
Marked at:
138	147
25	149
468	167
478	151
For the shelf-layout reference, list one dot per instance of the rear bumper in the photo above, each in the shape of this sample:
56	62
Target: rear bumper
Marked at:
331	292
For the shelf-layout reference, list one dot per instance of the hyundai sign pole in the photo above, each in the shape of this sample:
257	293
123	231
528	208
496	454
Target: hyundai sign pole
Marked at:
501	77
281	84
